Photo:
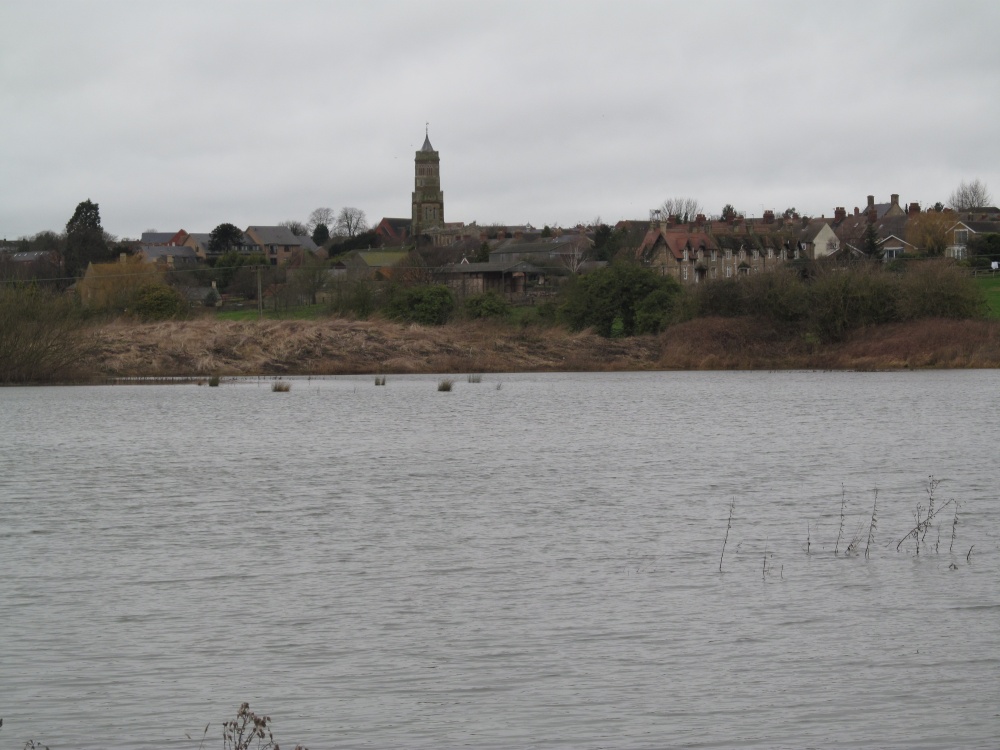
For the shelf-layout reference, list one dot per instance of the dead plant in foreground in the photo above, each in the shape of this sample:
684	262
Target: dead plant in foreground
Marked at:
248	731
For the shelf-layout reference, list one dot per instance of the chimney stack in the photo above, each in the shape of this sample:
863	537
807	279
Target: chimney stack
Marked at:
914	209
699	219
895	199
769	217
839	213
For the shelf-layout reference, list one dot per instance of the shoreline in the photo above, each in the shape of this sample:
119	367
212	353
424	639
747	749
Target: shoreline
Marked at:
202	348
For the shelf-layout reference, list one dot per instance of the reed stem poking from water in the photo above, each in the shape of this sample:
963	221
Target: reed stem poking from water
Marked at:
932	484
729	525
445	385
917	530
873	525
843	505
954	530
281	386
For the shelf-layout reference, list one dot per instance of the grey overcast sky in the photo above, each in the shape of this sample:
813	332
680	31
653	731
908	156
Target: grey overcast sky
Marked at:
187	114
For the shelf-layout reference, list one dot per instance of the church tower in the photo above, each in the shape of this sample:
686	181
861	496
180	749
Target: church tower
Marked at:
428	200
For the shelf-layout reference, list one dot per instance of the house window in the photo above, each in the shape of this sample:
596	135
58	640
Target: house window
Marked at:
713	254
756	254
961	237
891	253
684	272
770	252
729	254
729	271
715	271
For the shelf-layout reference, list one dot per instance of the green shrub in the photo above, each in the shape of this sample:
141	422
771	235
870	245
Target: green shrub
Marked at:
777	295
720	297
159	302
654	311
487	305
843	300
936	289
427	305
41	336
642	299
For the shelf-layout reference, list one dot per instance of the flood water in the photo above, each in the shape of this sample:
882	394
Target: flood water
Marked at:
529	561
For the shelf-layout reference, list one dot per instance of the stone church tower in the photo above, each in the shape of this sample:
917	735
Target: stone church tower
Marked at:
428	200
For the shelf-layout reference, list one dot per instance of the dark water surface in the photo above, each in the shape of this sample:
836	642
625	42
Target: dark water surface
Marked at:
530	566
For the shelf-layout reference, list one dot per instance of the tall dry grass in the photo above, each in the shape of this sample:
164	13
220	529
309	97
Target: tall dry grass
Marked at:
338	346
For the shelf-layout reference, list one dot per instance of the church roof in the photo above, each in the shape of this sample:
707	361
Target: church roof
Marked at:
427	143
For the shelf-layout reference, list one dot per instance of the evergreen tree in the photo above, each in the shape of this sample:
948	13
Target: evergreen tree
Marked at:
224	238
85	239
870	244
321	234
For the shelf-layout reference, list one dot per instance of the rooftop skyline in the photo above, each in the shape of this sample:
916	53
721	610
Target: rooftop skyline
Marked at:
192	114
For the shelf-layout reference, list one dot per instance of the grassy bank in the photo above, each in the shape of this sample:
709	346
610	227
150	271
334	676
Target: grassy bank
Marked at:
338	346
990	286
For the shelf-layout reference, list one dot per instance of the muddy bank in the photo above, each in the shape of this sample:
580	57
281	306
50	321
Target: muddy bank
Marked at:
333	347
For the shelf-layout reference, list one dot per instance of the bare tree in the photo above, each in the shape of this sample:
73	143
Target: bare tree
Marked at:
685	209
351	221
969	196
297	227
319	216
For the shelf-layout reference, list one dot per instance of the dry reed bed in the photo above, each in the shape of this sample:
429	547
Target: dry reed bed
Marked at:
338	346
